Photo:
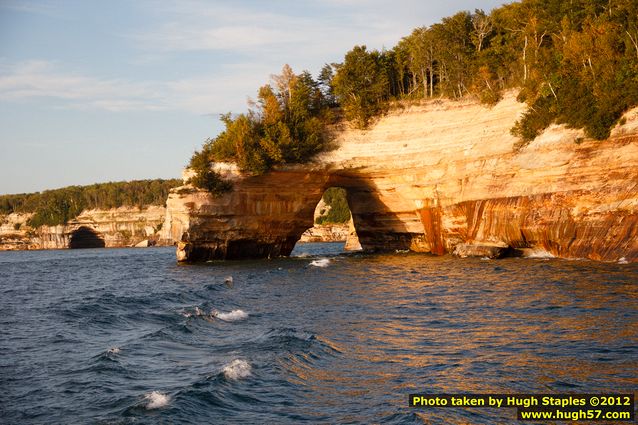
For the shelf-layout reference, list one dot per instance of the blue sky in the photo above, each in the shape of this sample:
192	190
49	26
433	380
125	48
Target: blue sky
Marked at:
94	91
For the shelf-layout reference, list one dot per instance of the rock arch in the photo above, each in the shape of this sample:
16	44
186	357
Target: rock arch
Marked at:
264	216
85	237
439	177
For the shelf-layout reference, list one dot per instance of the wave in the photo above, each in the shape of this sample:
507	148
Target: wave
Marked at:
197	312
297	341
322	262
623	260
537	253
110	355
156	400
237	369
231	316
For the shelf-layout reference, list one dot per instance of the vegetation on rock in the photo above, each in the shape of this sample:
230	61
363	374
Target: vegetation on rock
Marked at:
575	63
58	206
205	178
338	211
286	125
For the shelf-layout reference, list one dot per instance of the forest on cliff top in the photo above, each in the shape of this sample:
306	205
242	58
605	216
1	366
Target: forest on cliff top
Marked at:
58	206
574	62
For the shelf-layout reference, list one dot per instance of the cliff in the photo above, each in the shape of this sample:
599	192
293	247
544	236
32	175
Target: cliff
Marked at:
125	226
433	178
330	232
326	233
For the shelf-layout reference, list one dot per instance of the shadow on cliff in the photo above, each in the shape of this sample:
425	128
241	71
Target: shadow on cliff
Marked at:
379	227
85	237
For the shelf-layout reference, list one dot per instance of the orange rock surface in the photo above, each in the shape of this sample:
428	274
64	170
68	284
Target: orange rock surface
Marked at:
428	178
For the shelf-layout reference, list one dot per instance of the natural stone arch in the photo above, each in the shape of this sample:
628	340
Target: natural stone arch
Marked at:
433	178
264	216
85	237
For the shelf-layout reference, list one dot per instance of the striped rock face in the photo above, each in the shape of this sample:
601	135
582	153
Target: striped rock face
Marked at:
429	178
117	227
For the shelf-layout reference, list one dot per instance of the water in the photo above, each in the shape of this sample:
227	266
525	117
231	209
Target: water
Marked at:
125	336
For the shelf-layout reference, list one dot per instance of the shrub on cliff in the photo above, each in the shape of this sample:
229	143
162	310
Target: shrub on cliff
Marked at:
205	178
286	125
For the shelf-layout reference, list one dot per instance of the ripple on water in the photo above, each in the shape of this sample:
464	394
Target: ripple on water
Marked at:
295	343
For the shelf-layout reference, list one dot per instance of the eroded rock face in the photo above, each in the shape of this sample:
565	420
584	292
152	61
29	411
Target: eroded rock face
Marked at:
483	250
264	216
326	233
120	227
429	178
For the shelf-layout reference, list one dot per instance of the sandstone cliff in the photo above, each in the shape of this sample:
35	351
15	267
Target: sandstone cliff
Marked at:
331	232
429	178
325	233
125	226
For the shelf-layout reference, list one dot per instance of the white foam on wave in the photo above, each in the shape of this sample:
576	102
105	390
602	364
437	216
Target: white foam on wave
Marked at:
322	262
156	400
113	350
237	369
623	260
537	253
231	316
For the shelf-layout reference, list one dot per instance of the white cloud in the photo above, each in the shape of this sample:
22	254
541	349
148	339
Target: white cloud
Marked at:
181	37
201	95
197	25
42	79
255	44
317	26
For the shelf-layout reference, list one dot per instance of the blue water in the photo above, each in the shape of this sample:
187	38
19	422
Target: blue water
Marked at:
121	336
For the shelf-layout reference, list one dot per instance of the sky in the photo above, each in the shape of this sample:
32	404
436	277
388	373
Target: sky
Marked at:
95	91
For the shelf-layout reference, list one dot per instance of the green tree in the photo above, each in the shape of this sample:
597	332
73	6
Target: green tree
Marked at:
361	85
338	210
286	125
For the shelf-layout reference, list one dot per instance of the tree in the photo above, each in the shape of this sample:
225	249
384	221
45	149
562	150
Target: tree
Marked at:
416	52
482	27
325	84
361	85
285	125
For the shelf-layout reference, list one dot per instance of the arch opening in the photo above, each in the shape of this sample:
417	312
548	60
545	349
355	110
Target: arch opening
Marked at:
332	222
85	237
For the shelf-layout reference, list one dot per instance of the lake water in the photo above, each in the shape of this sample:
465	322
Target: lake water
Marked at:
119	336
